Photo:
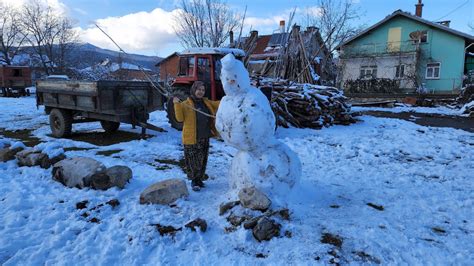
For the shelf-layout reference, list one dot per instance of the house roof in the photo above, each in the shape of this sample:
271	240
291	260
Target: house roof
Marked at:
399	12
166	58
262	42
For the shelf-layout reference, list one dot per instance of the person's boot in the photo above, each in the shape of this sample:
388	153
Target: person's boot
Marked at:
197	184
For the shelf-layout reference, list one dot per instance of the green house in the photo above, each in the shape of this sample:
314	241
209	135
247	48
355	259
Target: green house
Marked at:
406	53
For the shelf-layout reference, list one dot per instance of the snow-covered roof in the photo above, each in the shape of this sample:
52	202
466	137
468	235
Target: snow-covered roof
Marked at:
211	50
412	17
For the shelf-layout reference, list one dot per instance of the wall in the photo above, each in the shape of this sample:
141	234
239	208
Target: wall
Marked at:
169	68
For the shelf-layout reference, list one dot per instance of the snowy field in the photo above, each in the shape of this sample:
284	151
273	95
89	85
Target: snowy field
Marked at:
389	191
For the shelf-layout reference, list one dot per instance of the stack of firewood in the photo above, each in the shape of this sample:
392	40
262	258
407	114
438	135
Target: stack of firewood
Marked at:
309	106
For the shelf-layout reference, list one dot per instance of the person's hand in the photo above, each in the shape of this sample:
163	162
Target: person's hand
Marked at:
176	100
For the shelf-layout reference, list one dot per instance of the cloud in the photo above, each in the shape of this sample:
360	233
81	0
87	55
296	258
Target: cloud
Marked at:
149	32
56	5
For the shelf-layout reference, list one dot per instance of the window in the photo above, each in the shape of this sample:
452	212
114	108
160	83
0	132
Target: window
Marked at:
204	69
368	72
433	70
400	71
186	66
17	73
419	36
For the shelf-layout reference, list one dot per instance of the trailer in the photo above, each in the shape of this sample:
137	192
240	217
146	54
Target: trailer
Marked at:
110	102
14	80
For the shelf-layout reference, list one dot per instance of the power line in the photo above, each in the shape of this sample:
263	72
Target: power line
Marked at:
454	10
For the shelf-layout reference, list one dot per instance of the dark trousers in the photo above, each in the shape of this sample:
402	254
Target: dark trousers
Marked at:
196	159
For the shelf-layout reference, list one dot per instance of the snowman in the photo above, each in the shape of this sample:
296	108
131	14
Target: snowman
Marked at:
246	121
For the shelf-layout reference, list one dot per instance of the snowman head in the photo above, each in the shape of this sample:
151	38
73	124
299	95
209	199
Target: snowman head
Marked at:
235	78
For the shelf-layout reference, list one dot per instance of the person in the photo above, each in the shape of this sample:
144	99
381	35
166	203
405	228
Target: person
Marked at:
197	115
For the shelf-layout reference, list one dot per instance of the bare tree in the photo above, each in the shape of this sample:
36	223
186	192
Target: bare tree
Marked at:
49	33
335	20
11	35
205	23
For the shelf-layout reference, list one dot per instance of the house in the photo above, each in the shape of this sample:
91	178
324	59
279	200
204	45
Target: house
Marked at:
266	51
403	53
168	67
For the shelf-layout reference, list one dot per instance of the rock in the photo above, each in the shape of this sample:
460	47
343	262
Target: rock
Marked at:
236	220
201	223
119	175
77	172
266	229
7	154
224	207
47	162
166	229
115	176
164	192
254	199
113	202
30	158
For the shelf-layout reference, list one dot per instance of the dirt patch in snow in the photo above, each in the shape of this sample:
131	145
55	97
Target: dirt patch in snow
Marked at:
431	120
100	138
24	135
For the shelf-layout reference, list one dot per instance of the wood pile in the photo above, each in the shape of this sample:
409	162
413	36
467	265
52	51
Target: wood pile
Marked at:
309	106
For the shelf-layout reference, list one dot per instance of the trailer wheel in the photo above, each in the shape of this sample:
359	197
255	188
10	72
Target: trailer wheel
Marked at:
171	117
109	126
60	121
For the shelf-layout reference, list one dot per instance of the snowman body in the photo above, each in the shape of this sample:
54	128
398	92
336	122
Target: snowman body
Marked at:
246	121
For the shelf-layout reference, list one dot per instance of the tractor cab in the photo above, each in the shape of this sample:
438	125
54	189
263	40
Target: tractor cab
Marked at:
204	64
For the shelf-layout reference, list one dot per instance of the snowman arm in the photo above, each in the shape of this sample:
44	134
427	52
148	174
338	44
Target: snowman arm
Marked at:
178	112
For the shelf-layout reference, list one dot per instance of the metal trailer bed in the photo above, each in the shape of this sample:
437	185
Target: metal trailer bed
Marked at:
110	102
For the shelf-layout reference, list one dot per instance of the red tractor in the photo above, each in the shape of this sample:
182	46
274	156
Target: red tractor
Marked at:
199	64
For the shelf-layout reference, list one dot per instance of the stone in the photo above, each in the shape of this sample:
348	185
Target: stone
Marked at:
252	198
77	172
224	207
164	192
201	223
119	175
7	154
115	176
30	157
266	229
47	162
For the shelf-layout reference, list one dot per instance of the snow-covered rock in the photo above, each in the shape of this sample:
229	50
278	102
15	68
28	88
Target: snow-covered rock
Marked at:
254	199
7	154
164	192
245	121
115	176
30	157
77	172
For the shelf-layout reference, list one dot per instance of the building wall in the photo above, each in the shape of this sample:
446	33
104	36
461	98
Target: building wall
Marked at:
441	46
169	68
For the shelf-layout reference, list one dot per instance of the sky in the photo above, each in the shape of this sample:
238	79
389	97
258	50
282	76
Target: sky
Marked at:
146	26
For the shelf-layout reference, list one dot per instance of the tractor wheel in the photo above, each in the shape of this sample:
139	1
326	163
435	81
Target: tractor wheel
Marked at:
60	121
109	126
181	93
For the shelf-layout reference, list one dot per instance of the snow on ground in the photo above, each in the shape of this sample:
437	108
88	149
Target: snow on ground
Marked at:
442	110
422	176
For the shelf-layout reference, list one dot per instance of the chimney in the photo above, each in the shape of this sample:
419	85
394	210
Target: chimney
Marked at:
231	37
419	9
282	26
254	34
311	28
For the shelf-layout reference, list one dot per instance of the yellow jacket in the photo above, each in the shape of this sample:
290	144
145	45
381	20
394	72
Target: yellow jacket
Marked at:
185	114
